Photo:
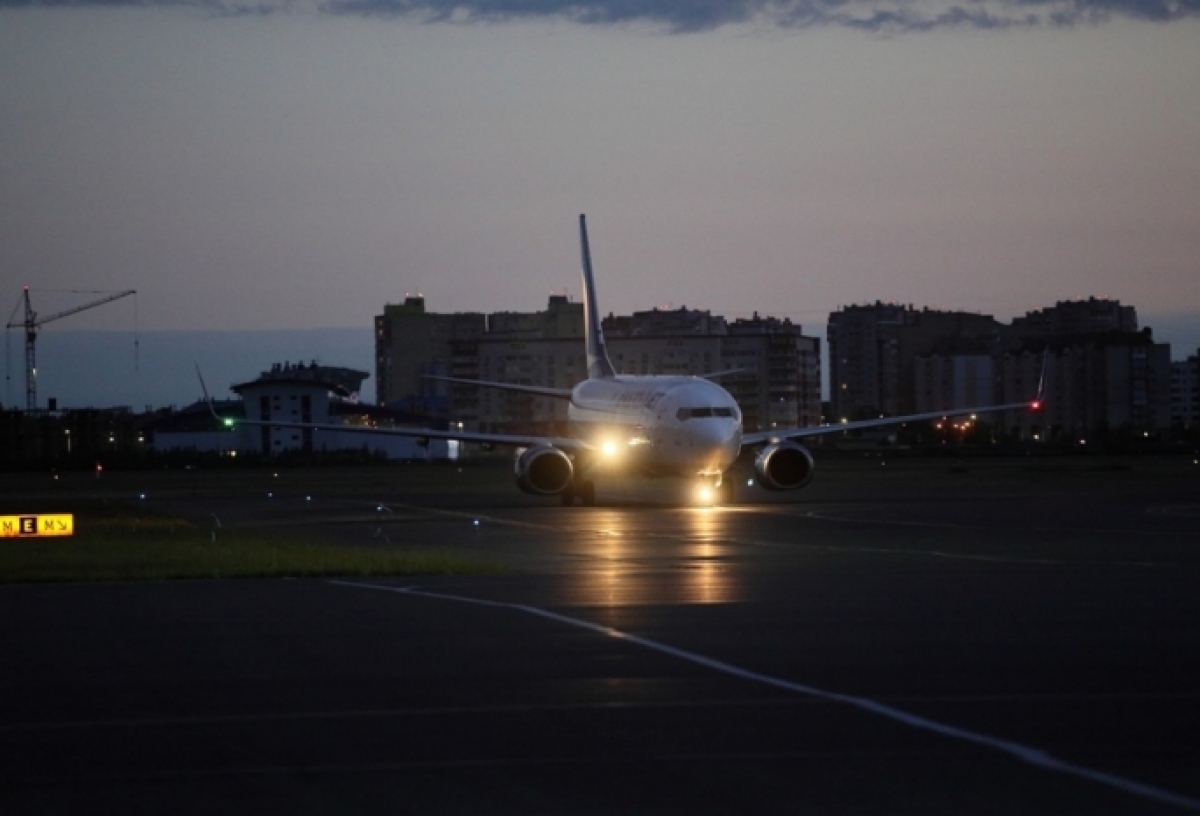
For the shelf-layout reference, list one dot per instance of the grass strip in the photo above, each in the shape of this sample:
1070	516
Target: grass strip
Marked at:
156	549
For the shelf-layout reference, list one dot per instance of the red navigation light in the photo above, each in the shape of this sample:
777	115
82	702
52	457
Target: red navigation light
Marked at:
1036	405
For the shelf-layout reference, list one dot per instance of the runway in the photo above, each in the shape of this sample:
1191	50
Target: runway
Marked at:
906	638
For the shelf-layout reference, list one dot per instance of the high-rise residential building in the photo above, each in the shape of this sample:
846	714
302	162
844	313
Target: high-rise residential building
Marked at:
411	343
562	318
1094	384
1185	393
555	362
1102	373
874	351
945	382
1074	317
777	382
864	360
663	323
777	373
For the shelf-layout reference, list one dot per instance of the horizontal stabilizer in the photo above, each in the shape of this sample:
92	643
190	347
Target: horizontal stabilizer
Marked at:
712	375
555	393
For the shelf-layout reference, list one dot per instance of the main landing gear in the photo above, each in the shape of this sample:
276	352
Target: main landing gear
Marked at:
725	492
583	489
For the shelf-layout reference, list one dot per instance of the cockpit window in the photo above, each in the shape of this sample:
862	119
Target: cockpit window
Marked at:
694	413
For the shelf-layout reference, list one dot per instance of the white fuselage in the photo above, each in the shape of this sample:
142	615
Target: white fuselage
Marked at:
679	426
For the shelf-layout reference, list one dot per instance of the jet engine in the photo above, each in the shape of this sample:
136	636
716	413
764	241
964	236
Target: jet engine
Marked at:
543	471
784	466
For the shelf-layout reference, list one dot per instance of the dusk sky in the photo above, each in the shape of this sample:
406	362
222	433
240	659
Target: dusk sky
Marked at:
292	165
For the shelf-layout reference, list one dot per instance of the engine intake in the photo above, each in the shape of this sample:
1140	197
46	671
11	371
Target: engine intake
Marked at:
784	466
543	471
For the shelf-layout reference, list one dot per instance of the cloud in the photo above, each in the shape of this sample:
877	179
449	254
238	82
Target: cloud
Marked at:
686	16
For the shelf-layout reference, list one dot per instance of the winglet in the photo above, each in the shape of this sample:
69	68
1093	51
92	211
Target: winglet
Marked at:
597	353
1040	399
207	399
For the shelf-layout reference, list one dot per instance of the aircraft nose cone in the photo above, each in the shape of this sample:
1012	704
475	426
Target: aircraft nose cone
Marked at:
721	436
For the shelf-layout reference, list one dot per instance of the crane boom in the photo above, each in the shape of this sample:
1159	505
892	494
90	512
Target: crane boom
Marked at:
84	307
31	324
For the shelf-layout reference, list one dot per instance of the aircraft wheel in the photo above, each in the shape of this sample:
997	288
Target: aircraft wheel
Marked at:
587	493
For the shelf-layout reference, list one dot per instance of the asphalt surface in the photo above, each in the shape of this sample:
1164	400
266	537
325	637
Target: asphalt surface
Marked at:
1011	637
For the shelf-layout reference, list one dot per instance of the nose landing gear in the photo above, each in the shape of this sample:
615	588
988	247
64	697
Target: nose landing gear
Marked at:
715	491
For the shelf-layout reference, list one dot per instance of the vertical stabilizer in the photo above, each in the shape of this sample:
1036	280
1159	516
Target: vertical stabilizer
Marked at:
597	354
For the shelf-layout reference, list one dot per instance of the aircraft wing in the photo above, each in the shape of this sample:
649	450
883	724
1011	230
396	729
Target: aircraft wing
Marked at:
777	434
510	440
761	437
541	391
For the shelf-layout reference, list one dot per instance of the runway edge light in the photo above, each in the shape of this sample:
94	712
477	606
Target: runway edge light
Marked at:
37	525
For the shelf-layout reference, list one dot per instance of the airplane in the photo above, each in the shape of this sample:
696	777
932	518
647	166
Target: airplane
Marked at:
661	425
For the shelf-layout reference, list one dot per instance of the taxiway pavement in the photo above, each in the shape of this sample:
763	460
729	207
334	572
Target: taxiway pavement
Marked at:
933	638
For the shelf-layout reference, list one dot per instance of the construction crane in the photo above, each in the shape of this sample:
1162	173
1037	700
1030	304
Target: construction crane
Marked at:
32	323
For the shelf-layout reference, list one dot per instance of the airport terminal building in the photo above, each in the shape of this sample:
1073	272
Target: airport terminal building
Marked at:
299	393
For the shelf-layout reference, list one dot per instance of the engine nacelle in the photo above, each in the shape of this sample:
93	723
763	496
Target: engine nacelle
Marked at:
543	471
784	466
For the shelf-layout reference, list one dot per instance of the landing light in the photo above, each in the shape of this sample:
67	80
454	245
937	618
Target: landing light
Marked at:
609	449
705	494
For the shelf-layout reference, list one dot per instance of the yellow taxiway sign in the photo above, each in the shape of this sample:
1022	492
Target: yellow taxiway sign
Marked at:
37	525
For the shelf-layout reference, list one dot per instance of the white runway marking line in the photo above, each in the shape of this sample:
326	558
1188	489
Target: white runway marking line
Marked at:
1025	753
